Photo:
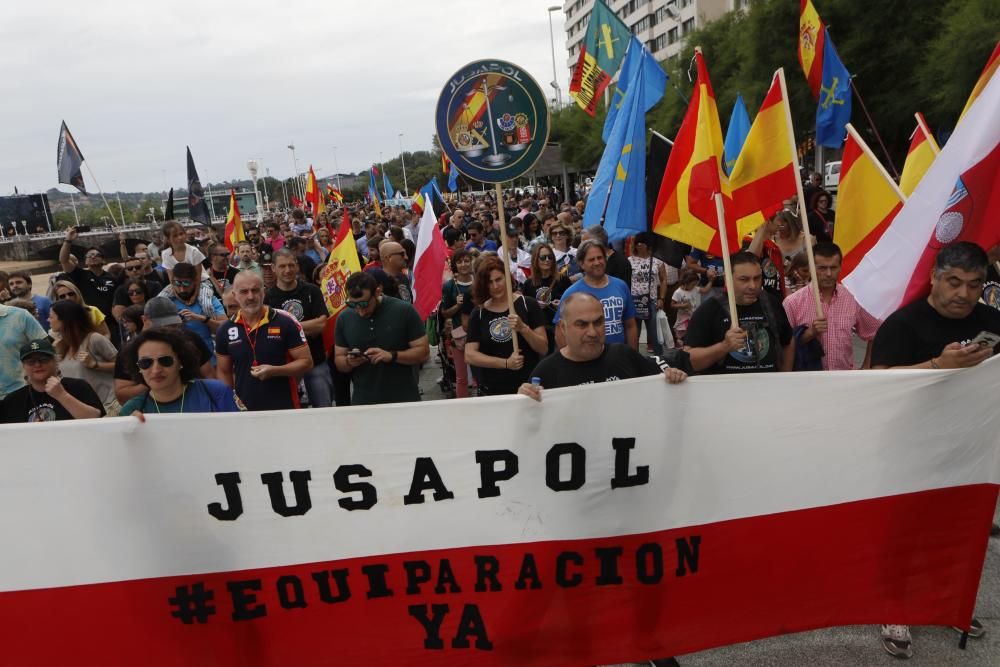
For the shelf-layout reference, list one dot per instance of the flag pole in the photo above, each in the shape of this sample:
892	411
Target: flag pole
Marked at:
103	198
720	214
803	216
871	123
931	141
507	280
871	156
72	200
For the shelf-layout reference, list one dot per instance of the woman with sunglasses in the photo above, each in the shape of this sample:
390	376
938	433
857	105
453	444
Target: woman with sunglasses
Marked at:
48	397
84	353
564	252
547	285
454	294
65	290
167	364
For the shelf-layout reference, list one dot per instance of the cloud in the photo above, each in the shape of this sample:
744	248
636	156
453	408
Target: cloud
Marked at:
136	82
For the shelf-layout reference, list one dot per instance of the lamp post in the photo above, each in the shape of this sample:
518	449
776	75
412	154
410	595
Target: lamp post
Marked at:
406	188
267	198
555	76
337	167
299	192
252	167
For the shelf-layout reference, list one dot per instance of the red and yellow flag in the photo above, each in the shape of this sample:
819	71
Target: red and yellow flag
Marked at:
418	203
445	163
342	262
867	202
234	224
923	150
685	208
334	194
811	42
991	67
765	173
313	200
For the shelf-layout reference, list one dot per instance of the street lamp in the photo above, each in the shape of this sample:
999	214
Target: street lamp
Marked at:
295	165
337	167
252	167
406	188
555	76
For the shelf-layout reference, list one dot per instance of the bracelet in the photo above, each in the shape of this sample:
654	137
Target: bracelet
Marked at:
934	364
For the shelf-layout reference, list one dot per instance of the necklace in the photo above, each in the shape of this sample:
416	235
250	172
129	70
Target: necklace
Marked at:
157	405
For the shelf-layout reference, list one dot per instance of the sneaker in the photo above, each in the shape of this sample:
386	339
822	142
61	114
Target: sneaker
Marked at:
994	530
896	641
976	629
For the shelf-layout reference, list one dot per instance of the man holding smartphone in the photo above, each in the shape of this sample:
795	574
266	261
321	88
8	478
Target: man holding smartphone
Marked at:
949	329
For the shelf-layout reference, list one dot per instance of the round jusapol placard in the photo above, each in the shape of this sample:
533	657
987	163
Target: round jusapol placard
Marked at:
492	121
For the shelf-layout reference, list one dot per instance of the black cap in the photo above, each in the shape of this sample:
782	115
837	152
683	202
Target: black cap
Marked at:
41	346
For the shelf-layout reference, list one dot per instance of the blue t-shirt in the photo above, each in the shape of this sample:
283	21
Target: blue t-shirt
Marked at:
200	396
616	297
488	246
43	305
201	328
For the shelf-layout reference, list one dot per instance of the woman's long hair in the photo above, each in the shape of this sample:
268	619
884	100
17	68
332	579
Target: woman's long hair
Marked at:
76	326
481	283
536	269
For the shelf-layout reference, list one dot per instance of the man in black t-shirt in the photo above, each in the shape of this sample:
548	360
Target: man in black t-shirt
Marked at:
991	288
586	359
939	332
762	342
96	284
304	301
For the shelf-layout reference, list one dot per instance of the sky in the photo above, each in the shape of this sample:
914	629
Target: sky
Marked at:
138	81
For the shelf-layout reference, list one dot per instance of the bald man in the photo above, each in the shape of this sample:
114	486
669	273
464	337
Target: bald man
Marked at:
586	358
262	352
394	260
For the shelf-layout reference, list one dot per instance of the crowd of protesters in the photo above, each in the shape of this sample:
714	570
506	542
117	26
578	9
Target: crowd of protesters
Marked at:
183	324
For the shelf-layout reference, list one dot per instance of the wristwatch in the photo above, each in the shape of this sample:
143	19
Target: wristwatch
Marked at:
395	353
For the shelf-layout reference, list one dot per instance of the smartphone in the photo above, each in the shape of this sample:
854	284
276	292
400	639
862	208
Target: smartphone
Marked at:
83	228
357	354
986	339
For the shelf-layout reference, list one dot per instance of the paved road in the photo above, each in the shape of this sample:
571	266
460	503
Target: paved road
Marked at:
857	646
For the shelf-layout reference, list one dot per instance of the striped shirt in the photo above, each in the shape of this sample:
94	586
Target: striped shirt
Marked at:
844	317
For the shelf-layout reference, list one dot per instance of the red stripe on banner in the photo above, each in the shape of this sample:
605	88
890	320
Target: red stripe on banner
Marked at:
914	558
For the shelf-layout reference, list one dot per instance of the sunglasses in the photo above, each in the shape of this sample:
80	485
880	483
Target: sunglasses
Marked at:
135	293
360	305
220	254
91	255
183	283
65	295
559	234
145	363
395	253
544	258
37	361
133	268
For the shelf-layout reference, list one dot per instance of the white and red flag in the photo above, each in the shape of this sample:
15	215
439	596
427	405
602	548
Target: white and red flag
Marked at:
569	532
958	199
429	264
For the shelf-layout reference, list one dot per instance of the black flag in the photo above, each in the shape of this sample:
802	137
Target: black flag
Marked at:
667	250
169	215
197	208
69	159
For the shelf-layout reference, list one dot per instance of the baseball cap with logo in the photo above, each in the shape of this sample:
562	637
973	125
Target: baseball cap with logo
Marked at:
42	346
161	312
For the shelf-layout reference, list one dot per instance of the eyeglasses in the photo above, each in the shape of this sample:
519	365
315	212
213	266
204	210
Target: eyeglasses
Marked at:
545	258
394	254
134	268
559	233
145	363
360	305
65	295
135	293
183	283
36	361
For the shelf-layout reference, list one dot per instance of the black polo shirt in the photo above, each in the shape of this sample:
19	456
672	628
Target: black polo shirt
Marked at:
269	342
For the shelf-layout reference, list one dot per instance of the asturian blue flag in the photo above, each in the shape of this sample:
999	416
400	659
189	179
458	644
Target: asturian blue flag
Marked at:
372	188
453	178
736	134
386	185
655	83
618	194
834	110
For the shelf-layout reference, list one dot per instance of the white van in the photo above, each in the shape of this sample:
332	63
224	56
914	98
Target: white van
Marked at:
831	176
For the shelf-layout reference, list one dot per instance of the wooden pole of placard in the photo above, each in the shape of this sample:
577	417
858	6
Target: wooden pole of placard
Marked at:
720	214
505	258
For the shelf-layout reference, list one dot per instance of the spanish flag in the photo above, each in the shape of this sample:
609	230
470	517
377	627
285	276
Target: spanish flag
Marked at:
765	173
445	163
342	262
991	66
313	198
234	224
418	203
334	194
867	202
685	208
811	42
923	150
